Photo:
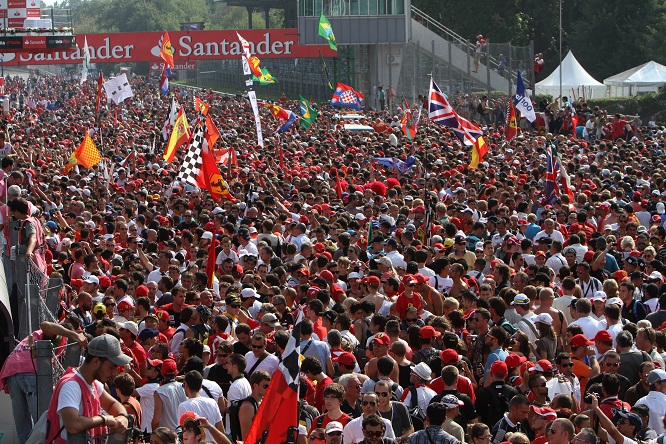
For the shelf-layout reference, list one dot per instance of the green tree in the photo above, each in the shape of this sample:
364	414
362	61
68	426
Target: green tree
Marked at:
611	36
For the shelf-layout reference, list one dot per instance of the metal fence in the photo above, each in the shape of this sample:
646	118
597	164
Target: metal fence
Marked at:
312	8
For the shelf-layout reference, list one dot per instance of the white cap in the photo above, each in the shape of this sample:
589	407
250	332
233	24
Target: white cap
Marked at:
544	318
131	326
247	293
207	235
599	296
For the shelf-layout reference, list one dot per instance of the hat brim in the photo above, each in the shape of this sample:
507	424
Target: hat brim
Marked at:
121	360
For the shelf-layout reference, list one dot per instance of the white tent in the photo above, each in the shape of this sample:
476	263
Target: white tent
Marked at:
576	82
648	77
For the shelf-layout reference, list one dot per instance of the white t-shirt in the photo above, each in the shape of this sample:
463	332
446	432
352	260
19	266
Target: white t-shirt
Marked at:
239	389
70	396
147	393
224	256
213	387
269	364
205	407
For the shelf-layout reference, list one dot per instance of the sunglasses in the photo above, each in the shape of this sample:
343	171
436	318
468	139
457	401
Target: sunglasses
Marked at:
373	434
223	355
382	394
334	433
257	346
570	364
110	305
612	364
234	306
410	320
372	403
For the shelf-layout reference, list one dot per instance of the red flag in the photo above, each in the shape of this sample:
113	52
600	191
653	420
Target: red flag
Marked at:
211	133
277	416
201	106
210	178
166	50
574	122
226	156
210	265
511	127
100	88
338	185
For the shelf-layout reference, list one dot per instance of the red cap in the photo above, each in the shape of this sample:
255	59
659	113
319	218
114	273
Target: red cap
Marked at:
588	256
603	336
540	253
104	281
162	315
514	360
169	367
303	271
420	279
186	416
408	279
418	209
313	291
544	412
543	365
141	290
580	340
620	275
449	356
346	358
428	332
154	362
372	281
326	275
382	338
319	247
124	305
499	368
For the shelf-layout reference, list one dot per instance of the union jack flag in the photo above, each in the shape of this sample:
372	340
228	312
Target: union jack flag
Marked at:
441	112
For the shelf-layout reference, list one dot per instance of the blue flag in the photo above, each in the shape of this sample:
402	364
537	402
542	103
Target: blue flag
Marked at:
396	164
522	102
290	121
164	80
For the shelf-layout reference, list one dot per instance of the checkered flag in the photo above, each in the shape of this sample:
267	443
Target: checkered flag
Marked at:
191	167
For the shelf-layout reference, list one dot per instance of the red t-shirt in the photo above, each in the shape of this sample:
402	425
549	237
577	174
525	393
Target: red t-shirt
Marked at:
319	393
404	302
464	386
344	419
319	330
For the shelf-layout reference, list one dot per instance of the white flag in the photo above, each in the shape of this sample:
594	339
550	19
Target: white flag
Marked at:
171	120
118	89
86	61
255	109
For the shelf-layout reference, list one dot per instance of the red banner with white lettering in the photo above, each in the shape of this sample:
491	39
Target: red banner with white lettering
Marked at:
127	47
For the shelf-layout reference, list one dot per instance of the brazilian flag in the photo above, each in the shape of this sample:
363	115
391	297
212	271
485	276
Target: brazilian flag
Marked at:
308	114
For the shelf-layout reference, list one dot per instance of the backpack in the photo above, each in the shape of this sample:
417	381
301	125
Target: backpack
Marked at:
417	415
509	327
500	401
359	350
234	421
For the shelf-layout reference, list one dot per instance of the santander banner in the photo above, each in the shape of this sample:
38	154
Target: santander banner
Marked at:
129	47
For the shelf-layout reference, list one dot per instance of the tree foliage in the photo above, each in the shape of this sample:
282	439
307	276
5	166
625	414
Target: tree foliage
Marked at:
95	16
606	36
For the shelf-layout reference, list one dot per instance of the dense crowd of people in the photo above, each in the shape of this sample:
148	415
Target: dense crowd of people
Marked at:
440	304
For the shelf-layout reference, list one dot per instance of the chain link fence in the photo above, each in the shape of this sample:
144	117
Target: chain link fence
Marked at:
43	294
308	77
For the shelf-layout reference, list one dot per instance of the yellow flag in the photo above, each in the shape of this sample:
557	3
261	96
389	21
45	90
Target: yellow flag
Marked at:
479	149
179	136
87	154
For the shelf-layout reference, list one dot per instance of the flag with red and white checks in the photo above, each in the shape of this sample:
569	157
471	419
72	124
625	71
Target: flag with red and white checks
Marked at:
346	97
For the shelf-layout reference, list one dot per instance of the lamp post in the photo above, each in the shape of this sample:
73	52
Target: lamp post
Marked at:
560	68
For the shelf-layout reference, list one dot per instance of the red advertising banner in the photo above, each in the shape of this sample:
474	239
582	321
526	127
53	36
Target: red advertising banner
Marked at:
130	47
